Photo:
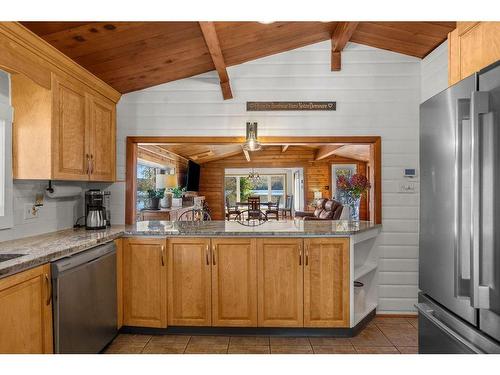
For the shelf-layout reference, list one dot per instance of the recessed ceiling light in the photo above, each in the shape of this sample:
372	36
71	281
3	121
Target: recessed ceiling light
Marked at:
266	22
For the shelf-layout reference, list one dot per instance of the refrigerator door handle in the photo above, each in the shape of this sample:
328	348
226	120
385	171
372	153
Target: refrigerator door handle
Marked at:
428	312
479	294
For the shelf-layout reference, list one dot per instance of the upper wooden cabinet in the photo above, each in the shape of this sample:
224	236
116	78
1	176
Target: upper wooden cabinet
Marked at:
326	282
471	47
280	282
26	312
144	282
65	133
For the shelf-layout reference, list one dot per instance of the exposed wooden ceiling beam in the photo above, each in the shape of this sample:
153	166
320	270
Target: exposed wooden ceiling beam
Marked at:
341	35
326	151
247	155
213	44
284	148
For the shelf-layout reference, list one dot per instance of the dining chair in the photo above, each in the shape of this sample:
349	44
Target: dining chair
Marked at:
231	210
254	211
288	207
274	209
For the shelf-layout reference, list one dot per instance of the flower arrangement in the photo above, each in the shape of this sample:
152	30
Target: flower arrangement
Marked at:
356	185
351	189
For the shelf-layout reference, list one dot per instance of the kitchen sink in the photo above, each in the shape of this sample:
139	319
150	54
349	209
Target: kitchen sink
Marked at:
6	257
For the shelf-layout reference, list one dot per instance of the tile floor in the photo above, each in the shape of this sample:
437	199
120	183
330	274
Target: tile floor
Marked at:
381	336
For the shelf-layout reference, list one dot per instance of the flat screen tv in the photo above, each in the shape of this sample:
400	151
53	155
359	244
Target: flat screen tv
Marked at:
193	176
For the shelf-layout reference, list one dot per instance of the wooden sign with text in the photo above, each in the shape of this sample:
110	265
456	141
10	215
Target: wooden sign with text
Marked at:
291	106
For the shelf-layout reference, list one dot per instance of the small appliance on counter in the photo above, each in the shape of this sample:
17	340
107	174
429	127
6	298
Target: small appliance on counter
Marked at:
97	209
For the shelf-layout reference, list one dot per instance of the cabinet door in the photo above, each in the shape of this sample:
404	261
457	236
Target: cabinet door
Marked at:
189	282
326	282
26	312
280	282
234	282
102	139
70	139
144	282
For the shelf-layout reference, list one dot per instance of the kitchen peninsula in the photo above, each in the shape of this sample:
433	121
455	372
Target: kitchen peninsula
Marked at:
288	274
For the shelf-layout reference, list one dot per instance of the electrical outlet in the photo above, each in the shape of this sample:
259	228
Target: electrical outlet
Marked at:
407	187
30	212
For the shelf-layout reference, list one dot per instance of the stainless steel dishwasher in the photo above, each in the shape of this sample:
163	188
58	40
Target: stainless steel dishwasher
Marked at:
84	300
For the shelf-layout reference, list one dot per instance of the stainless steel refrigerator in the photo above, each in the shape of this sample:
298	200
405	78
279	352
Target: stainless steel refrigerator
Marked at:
459	260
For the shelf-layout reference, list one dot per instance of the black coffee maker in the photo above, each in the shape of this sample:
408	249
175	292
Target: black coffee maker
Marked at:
95	209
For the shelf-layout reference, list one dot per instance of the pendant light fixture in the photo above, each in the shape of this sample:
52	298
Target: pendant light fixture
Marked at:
251	143
254	177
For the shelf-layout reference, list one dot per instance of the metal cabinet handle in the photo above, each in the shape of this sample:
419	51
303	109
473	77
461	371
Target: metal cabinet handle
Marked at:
214	249
88	163
307	255
49	290
162	255
207	259
300	256
91	163
479	294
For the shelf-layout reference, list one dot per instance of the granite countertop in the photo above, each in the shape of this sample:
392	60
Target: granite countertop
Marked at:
48	247
288	228
43	248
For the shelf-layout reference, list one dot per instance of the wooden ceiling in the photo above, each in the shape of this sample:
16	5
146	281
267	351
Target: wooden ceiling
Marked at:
132	56
168	155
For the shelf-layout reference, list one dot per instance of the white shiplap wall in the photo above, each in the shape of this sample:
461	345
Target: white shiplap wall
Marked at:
377	93
434	72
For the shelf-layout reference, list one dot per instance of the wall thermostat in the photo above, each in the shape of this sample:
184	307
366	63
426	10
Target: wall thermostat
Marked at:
410	172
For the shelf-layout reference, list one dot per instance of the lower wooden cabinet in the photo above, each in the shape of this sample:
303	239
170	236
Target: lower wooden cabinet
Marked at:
326	282
280	282
144	282
189	282
234	282
26	312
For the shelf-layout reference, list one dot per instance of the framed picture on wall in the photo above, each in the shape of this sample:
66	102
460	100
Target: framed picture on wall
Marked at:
341	170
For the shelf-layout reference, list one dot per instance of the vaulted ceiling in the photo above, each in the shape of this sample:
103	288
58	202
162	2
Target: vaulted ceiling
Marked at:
131	56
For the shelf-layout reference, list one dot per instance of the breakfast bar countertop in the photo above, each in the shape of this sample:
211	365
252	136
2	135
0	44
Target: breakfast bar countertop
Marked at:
40	249
282	228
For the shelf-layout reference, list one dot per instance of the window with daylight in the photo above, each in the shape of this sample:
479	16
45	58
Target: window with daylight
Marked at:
6	220
268	187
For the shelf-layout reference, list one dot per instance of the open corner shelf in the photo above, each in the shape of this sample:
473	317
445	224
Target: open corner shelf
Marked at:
363	270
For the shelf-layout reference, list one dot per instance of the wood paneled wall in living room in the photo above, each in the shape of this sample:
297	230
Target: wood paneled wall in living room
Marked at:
317	174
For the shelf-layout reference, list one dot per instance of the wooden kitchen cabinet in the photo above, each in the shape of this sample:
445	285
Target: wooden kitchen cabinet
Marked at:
234	282
471	47
26	312
280	282
326	282
189	282
144	282
69	124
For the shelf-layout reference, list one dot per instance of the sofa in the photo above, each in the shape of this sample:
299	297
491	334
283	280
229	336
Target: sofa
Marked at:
326	209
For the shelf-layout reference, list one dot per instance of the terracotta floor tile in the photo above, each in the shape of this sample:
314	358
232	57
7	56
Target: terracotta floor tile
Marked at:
408	349
124	348
132	338
370	336
329	341
151	348
249	349
376	350
209	340
413	322
249	340
334	349
388	320
290	341
206	349
400	334
169	339
291	349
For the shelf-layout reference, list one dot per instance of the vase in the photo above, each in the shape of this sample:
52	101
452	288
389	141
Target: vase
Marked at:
176	202
353	203
153	203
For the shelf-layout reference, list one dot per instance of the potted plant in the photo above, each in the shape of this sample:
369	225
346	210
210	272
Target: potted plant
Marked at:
177	193
350	191
154	196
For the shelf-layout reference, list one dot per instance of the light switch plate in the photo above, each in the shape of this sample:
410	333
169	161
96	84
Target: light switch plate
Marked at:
30	212
407	187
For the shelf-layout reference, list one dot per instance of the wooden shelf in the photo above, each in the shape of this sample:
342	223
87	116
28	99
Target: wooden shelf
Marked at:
358	316
363	270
